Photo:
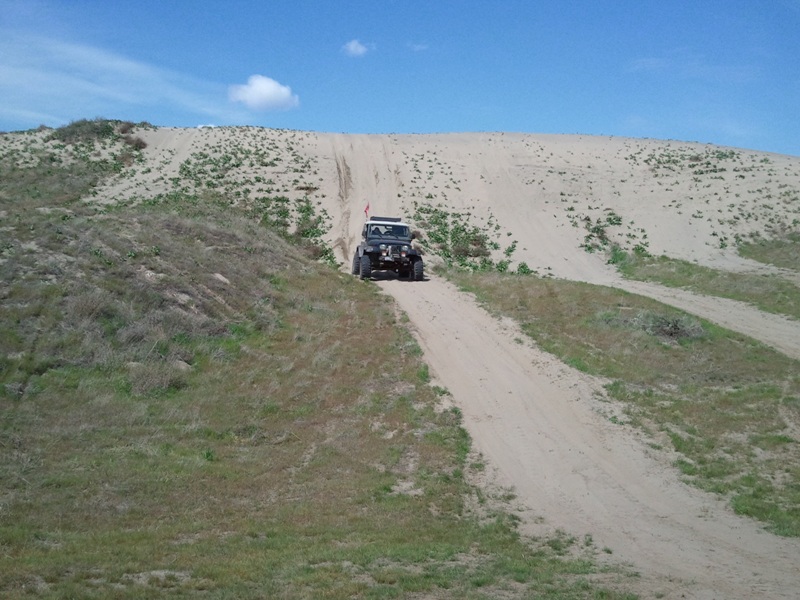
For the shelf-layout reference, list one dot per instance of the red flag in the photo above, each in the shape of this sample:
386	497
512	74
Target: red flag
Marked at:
366	210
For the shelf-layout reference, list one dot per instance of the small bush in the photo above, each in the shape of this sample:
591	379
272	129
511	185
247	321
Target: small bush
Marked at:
674	327
84	130
136	143
155	377
617	256
524	269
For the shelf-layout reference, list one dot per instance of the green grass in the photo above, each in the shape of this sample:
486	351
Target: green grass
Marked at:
729	405
771	293
781	252
192	404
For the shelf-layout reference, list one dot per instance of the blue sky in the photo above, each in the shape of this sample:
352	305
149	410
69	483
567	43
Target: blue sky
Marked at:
719	71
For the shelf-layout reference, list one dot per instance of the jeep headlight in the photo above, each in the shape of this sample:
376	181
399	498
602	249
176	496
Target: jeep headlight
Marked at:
404	248
383	246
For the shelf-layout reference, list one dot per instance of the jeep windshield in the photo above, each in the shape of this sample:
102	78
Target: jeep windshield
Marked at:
393	231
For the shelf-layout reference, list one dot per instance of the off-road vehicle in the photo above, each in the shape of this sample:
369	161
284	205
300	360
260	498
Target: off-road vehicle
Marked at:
386	246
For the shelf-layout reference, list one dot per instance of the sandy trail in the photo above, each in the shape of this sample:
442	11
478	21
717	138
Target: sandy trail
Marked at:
539	423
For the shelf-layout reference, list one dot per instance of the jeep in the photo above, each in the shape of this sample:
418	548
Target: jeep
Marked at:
386	246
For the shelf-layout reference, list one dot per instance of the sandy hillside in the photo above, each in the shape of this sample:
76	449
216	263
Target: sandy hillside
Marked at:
537	421
684	200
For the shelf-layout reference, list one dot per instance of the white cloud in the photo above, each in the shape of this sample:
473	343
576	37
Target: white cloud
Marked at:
418	47
51	81
263	93
354	48
686	64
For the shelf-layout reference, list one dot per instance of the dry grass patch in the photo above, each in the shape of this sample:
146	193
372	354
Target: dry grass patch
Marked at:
782	252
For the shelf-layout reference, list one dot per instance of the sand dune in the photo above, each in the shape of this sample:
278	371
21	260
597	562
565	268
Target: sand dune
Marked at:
534	419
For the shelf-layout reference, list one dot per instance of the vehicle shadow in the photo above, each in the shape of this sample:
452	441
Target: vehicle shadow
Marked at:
391	276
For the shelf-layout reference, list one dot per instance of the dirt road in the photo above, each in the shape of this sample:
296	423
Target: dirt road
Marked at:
545	429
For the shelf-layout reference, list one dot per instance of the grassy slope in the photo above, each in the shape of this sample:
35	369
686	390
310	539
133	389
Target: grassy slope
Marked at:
190	404
771	293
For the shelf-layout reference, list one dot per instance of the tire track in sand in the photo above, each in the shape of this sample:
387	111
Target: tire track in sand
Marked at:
342	243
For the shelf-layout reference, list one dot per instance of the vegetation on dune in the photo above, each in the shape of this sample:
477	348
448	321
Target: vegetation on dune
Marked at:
455	238
192	404
718	181
59	167
85	131
783	251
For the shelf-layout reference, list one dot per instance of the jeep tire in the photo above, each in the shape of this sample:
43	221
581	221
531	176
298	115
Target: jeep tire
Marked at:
418	273
365	267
